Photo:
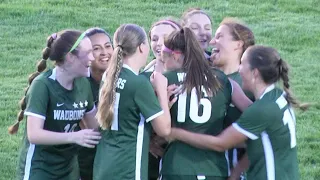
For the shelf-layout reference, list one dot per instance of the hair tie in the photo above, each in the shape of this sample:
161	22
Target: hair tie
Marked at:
54	36
119	45
280	65
181	31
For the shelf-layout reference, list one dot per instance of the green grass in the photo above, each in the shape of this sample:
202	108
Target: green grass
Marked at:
291	26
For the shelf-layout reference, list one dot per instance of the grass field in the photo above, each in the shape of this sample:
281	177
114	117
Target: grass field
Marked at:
291	26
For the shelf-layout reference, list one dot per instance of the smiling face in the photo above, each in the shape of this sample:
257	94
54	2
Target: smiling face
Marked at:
157	34
102	51
224	46
200	24
79	66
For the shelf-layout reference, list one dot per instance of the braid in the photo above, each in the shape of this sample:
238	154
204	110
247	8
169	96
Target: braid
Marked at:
284	71
41	66
108	90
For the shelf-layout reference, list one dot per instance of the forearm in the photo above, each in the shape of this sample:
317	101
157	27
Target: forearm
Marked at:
242	166
163	101
90	120
45	137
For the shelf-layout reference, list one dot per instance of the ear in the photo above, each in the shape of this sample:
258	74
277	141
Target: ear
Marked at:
239	44
69	57
255	73
140	49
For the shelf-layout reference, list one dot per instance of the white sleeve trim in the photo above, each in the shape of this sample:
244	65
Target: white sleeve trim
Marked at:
243	131
35	115
94	108
154	116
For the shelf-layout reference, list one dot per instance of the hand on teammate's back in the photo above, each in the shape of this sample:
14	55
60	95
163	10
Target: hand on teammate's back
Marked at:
86	137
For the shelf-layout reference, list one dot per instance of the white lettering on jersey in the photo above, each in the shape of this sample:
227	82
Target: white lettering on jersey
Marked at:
121	82
68	115
181	76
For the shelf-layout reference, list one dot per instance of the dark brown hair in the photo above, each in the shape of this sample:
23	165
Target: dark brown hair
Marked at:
58	45
272	68
197	68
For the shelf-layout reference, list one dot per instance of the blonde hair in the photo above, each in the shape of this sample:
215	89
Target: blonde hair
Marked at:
126	40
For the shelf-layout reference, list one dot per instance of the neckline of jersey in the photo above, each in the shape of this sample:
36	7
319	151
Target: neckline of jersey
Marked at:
53	77
268	89
128	67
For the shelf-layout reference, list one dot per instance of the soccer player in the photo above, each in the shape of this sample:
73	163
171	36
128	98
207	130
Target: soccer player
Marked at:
267	126
201	107
54	104
128	107
231	39
157	32
200	23
102	51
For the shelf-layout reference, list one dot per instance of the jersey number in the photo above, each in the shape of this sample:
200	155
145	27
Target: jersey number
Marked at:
194	107
69	128
115	121
288	118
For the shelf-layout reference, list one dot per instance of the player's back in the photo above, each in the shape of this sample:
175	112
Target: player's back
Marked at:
206	117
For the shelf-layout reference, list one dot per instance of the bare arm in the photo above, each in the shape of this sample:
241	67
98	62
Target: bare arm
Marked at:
37	135
242	166
162	123
90	120
239	99
229	138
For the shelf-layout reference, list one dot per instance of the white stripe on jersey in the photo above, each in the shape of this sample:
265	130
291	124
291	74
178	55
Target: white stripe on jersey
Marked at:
28	162
268	155
139	147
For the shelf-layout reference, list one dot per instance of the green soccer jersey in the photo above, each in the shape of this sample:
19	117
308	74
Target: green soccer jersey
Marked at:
269	123
234	113
86	155
206	118
61	110
123	150
95	86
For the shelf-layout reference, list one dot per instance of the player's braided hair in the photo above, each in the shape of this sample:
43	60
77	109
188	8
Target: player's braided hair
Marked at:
56	49
272	68
127	38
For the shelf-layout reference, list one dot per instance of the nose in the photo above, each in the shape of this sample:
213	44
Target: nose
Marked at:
213	41
201	31
160	41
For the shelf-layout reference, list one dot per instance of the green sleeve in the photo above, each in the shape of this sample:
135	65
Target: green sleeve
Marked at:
37	99
255	120
146	100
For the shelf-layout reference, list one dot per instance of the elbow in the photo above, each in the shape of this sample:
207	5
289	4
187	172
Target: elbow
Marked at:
219	147
164	132
32	138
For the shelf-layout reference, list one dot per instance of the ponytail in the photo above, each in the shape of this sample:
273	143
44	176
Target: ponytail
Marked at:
283	71
199	73
41	66
108	90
